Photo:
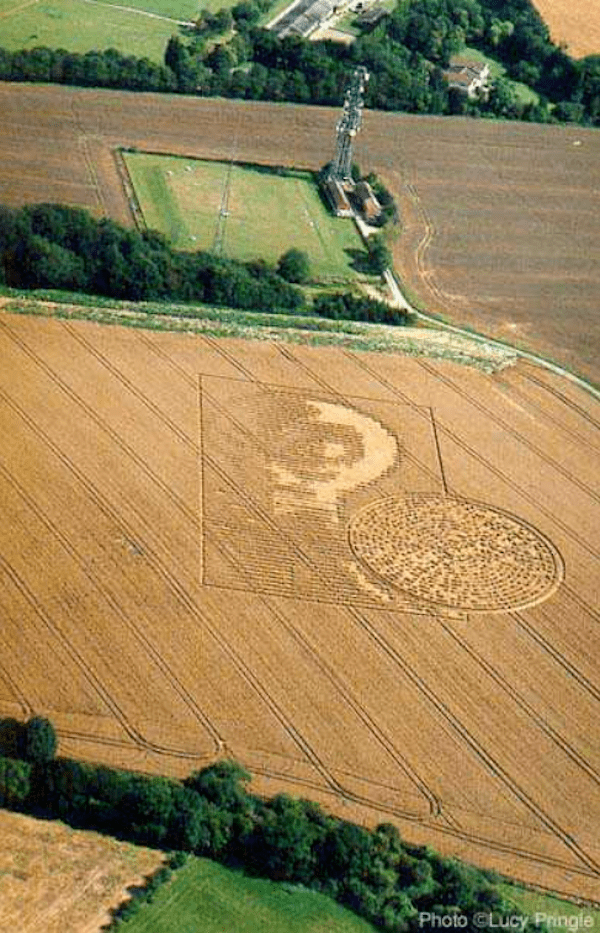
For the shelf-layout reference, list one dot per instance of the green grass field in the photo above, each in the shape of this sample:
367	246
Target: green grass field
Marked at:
265	213
184	10
83	25
134	27
204	897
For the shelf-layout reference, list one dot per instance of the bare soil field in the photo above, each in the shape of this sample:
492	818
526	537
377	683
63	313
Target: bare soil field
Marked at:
574	22
372	579
60	880
501	221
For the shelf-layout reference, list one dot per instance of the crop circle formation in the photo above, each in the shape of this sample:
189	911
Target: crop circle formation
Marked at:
454	553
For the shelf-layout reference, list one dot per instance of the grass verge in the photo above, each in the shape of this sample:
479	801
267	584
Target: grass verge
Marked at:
226	322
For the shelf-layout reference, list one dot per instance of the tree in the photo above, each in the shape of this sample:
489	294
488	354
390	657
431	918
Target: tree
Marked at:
40	740
436	28
568	111
503	100
245	15
217	23
220	60
287	839
499	30
294	266
589	82
49	265
379	255
355	172
223	783
182	64
15	782
150	801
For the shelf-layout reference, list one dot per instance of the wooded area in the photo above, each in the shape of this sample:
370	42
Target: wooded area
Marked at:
405	55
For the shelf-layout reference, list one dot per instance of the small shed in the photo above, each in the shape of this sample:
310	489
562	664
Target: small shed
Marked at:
368	203
337	197
371	17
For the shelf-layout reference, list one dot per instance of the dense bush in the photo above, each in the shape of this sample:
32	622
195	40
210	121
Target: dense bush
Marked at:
15	782
141	894
108	68
346	306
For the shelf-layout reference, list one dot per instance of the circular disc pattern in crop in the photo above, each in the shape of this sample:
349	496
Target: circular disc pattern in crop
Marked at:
455	553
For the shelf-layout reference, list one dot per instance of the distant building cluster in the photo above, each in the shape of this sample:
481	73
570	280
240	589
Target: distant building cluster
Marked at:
468	77
304	17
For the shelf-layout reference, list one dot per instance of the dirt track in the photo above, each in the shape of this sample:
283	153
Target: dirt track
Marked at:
501	220
177	583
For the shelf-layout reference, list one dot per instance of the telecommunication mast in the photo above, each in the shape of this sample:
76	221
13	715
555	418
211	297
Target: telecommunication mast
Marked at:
348	126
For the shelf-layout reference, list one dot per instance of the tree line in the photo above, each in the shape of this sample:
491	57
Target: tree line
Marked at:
53	246
405	54
56	247
212	813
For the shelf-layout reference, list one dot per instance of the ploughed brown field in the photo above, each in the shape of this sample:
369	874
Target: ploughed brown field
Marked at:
501	221
573	22
372	579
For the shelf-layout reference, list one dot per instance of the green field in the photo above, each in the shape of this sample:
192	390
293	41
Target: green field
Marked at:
83	25
184	10
134	27
245	212
204	897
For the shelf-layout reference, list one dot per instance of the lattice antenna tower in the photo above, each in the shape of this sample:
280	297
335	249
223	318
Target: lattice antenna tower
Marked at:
349	125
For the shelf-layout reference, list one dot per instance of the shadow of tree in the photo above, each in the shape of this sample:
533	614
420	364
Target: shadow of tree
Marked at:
12	738
359	260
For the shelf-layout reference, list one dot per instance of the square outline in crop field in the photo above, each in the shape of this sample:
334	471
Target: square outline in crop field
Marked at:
282	473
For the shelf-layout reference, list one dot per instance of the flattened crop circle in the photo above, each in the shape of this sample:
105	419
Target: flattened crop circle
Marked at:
454	553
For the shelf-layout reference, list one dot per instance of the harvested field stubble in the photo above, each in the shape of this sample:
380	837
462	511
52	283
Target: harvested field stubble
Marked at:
575	23
193	566
61	880
500	221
